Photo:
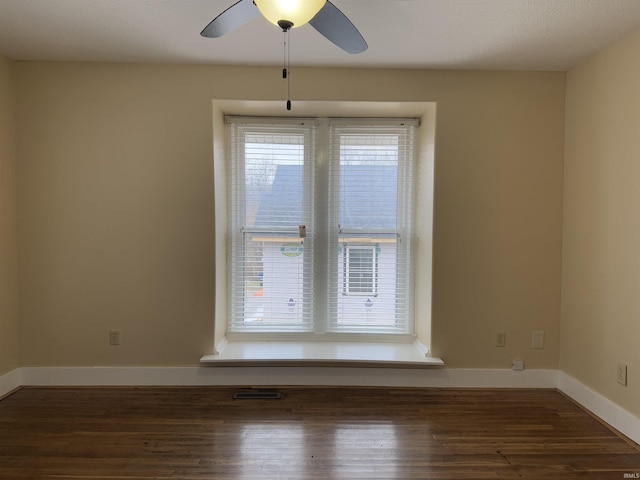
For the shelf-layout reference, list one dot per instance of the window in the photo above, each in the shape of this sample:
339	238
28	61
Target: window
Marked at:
321	225
360	270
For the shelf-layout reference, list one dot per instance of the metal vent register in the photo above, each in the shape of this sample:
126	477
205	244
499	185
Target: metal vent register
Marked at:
257	395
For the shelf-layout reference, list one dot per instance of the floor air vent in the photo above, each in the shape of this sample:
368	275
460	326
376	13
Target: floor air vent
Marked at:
257	395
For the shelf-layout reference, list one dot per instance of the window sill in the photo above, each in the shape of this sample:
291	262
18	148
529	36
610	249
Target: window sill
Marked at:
252	353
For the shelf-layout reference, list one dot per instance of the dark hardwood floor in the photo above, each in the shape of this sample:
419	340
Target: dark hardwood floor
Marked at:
311	433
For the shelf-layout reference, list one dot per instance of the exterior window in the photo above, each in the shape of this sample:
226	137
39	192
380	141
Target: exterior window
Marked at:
320	226
360	270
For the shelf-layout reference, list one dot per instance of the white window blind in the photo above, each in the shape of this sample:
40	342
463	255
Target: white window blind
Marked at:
348	183
272	191
370	169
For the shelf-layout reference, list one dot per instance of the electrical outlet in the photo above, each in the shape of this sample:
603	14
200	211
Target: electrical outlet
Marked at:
537	339
622	374
501	339
517	365
114	337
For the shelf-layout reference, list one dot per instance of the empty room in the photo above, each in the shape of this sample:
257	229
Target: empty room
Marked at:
346	239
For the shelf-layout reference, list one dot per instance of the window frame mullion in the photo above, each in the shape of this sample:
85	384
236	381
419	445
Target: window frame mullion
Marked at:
322	231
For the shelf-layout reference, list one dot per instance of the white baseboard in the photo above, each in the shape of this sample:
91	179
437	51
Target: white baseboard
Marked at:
619	418
614	415
10	381
282	376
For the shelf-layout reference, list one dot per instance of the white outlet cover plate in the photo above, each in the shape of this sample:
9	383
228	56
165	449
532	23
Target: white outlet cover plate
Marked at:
537	339
622	374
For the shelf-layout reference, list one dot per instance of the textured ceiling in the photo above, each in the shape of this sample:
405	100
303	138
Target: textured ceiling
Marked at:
442	34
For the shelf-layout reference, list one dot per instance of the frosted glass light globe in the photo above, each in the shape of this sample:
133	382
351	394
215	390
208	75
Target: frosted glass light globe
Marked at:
298	12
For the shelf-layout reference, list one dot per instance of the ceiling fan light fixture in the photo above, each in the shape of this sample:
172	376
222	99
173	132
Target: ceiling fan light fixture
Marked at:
297	12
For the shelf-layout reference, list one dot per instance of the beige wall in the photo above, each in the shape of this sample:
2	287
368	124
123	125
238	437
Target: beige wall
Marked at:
8	240
601	262
115	195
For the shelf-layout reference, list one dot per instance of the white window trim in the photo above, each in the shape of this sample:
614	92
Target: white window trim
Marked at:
426	111
331	353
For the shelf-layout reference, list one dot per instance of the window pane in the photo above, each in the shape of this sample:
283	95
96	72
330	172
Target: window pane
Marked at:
368	284
274	180
368	181
273	281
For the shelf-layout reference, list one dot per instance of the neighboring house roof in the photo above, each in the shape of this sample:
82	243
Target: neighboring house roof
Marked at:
368	197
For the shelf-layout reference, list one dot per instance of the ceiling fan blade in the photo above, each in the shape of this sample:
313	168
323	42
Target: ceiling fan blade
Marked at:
233	17
337	28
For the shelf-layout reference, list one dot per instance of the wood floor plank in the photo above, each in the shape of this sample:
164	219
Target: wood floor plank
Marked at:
311	433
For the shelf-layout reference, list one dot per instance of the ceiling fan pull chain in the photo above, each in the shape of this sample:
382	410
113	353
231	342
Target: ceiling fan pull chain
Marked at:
286	29
284	55
288	66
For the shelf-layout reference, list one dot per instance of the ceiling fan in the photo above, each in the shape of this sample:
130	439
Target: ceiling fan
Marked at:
323	15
